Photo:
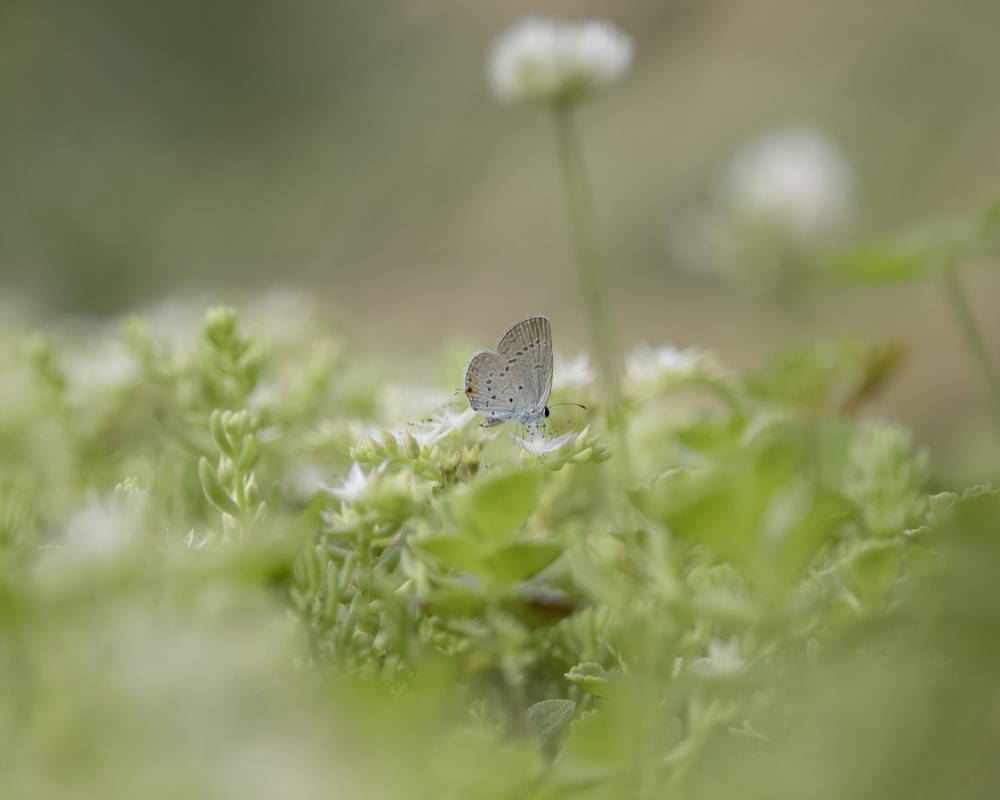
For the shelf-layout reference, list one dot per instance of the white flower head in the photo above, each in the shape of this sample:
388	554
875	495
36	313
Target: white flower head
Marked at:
102	363
542	445
354	486
400	402
646	364
557	61
101	529
428	432
722	659
795	178
573	372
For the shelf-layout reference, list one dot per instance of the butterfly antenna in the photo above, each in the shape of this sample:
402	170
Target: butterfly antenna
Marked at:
578	405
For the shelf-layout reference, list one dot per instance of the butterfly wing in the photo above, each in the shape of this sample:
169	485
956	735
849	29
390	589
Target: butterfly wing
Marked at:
527	347
486	377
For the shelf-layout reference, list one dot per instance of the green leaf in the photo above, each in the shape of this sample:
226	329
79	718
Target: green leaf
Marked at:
248	452
549	717
214	490
591	677
713	435
989	222
588	757
455	599
217	428
799	521
881	265
459	552
870	569
824	377
519	561
493	506
715	507
754	509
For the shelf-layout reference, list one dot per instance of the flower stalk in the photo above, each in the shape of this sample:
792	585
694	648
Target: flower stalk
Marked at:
559	63
591	267
971	335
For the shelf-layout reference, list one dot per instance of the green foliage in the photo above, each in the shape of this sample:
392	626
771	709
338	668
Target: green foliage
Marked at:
222	575
925	252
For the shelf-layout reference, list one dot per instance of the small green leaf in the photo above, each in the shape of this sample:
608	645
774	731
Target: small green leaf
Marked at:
216	424
459	552
455	599
589	754
549	717
248	452
799	521
519	561
881	265
714	507
989	222
591	677
493	506
713	435
870	569
214	490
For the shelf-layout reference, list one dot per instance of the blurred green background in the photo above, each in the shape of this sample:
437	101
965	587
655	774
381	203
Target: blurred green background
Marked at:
354	150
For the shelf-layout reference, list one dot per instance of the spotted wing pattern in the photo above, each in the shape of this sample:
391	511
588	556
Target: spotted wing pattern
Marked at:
513	383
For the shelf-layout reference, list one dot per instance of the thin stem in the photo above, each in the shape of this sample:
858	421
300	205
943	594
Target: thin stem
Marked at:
973	338
592	271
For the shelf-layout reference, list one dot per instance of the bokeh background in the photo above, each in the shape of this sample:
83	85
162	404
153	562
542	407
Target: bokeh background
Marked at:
353	152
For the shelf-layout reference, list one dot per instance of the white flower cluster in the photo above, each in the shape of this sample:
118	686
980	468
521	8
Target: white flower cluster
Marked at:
783	198
557	61
646	364
796	177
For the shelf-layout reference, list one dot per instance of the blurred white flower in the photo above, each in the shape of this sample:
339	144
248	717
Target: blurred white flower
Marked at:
722	659
176	322
354	486
646	363
548	60
542	446
784	198
400	402
101	363
101	529
572	372
285	313
304	478
795	178
429	431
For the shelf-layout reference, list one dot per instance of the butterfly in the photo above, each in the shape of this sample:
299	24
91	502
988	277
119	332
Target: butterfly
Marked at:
512	383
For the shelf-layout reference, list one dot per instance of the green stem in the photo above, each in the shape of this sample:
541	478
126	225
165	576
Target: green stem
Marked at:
973	338
592	271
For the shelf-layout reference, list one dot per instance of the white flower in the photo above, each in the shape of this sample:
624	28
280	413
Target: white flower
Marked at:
543	446
176	323
303	479
551	60
101	529
354	486
722	658
573	372
795	178
103	363
648	364
399	402
283	313
782	201
428	432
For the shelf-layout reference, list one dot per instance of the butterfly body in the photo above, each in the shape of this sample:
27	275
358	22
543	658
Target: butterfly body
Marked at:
512	383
